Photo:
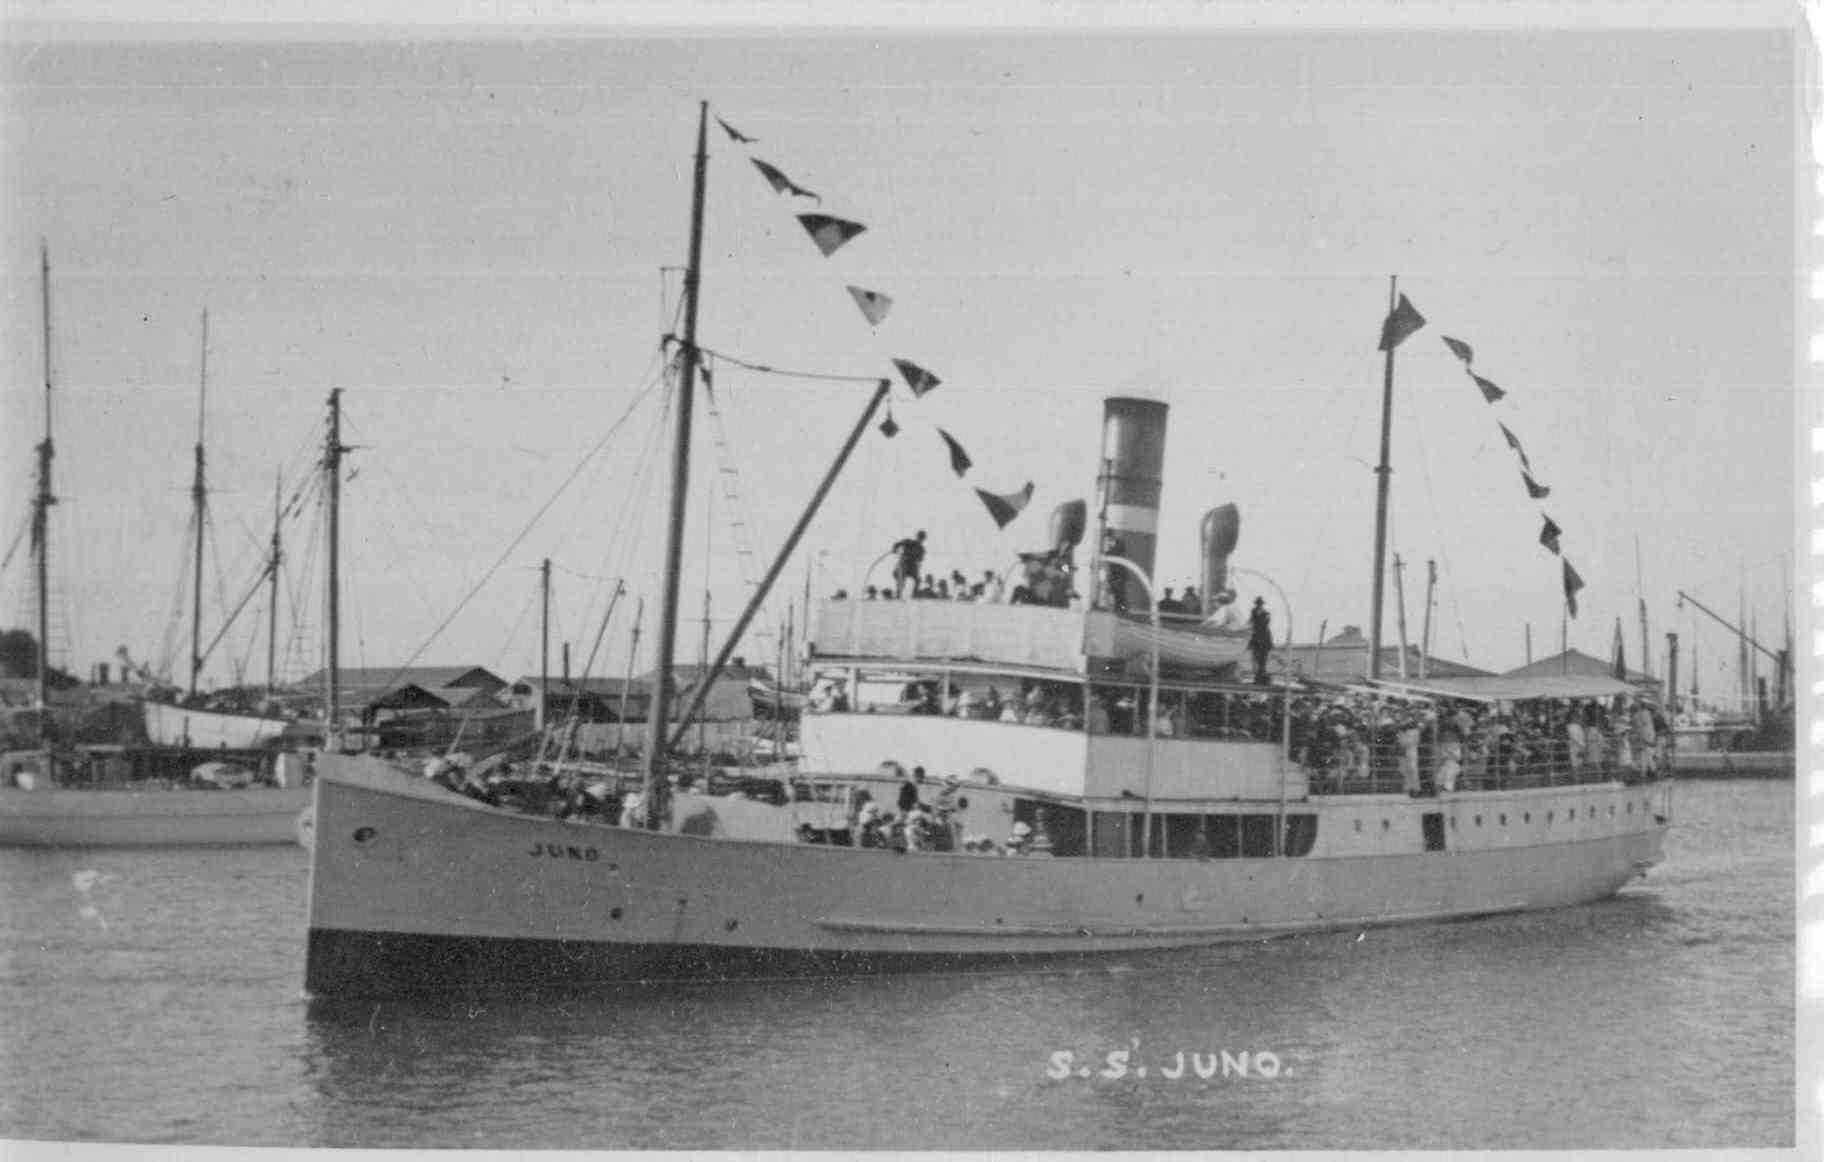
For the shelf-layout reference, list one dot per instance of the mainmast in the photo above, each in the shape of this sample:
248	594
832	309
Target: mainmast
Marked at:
544	641
658	805
1383	473
41	513
198	503
333	448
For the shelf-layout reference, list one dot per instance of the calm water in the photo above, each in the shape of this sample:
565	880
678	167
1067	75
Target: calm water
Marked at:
157	999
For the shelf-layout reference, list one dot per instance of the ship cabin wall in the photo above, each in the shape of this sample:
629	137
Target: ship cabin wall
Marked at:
1063	736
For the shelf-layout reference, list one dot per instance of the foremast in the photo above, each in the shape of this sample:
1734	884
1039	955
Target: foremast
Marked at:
657	789
333	449
199	513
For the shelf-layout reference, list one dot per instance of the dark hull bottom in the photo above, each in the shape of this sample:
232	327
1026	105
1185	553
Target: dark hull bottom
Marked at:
377	966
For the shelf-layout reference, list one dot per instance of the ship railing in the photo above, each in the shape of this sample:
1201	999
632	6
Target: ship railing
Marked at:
1337	767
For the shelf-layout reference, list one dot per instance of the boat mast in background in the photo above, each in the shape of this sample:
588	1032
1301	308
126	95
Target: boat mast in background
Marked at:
272	598
544	640
41	513
199	511
333	449
658	803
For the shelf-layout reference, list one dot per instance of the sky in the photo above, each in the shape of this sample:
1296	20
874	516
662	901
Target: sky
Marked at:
477	240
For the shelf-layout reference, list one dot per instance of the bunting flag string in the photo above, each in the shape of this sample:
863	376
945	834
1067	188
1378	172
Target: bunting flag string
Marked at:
1490	392
874	305
1534	489
1513	442
1548	536
1401	322
959	459
830	234
735	134
1004	508
916	377
1460	349
780	183
1572	583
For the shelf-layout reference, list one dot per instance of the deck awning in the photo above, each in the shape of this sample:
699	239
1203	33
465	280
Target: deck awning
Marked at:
1499	689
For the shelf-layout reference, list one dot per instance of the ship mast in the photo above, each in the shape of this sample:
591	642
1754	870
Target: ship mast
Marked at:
272	600
41	513
1383	473
333	448
657	790
198	503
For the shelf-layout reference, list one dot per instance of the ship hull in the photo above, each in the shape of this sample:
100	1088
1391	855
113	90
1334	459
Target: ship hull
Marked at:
65	817
417	891
169	725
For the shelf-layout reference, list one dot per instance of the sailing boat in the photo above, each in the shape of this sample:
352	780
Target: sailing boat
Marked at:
191	720
57	797
1142	811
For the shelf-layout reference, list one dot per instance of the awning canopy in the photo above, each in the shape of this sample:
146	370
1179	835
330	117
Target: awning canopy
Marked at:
1499	689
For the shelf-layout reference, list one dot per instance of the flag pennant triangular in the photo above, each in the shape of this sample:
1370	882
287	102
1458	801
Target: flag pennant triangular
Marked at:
959	459
734	134
1534	489
1459	348
888	428
1513	442
1572	583
1548	536
874	305
917	378
1004	508
1490	392
829	233
1402	321
780	183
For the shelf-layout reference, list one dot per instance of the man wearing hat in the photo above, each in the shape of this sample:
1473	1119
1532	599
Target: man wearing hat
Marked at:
1260	639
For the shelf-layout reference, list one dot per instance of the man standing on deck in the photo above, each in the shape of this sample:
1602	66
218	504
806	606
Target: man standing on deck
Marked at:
911	553
1260	639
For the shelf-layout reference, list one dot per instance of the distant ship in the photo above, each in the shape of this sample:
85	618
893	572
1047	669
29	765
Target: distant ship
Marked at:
1096	782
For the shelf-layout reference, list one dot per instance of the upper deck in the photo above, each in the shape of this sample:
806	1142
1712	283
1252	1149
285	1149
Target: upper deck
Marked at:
1065	641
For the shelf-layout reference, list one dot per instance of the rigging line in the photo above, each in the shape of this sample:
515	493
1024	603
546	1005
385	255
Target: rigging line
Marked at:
766	370
523	532
519	620
1431	498
24	527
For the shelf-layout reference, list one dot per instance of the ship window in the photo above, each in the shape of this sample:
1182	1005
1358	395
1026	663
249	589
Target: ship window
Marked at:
1433	824
1256	836
1548	816
1225	836
1386	825
1358	826
1301	834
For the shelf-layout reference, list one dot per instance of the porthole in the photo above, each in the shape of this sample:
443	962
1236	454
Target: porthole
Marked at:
1478	821
1548	816
364	835
614	913
1504	819
1386	825
1358	826
1527	818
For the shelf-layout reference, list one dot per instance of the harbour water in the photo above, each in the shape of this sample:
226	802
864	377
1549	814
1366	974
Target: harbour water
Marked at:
155	997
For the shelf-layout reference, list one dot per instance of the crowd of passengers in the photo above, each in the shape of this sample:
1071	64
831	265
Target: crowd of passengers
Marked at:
1350	739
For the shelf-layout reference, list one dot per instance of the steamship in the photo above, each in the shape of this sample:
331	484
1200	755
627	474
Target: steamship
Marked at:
1154	794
